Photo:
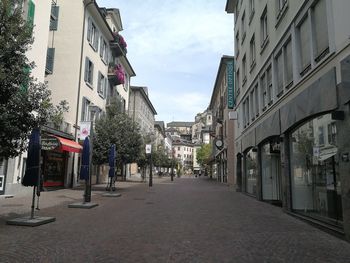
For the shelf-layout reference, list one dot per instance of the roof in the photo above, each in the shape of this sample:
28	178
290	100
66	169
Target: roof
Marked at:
180	141
180	124
127	66
230	6
145	96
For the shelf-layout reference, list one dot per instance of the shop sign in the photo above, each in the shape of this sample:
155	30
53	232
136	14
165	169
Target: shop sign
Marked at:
49	143
230	84
84	129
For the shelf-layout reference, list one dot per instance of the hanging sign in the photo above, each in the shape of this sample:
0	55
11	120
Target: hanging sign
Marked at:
84	129
230	84
49	143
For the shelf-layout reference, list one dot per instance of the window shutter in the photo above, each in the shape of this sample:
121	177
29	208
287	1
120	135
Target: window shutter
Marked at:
89	29
321	27
50	55
105	88
99	83
96	38
54	17
101	47
31	12
288	62
83	106
86	73
279	70
92	74
304	44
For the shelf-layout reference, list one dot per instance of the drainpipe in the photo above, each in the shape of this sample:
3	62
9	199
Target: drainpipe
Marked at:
79	86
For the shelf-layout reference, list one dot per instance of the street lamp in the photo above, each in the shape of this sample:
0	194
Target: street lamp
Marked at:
93	109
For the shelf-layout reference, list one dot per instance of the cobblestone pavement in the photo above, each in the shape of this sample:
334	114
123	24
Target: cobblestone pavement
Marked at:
188	220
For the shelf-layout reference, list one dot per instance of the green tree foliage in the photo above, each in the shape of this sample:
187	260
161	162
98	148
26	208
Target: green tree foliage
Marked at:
24	102
160	158
116	128
203	154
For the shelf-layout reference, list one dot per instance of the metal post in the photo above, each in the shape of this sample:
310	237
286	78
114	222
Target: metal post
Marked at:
88	182
150	173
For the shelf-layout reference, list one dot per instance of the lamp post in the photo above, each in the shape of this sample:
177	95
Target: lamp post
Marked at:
149	153
93	109
172	165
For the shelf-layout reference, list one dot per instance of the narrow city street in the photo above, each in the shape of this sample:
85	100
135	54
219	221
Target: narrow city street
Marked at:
188	220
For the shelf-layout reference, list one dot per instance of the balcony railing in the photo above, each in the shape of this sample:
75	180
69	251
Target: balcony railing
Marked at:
118	45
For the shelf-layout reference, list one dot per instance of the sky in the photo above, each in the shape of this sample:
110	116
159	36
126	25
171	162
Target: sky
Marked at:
174	47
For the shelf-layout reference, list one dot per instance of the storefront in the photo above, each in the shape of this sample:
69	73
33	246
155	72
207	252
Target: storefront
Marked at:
55	156
315	176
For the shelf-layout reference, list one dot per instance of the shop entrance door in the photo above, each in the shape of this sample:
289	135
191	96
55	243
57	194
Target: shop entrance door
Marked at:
271	174
2	176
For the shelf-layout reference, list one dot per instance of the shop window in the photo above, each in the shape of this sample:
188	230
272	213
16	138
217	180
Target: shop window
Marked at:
315	175
251	169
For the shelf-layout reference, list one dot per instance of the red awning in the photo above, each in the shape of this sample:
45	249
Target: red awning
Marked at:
69	145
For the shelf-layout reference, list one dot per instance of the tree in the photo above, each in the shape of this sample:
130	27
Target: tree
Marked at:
24	102
203	154
116	128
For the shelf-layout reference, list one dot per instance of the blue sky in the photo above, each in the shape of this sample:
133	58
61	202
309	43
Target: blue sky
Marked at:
175	47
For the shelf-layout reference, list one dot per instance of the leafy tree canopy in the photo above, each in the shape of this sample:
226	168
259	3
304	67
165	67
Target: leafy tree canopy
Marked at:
116	128
203	154
24	102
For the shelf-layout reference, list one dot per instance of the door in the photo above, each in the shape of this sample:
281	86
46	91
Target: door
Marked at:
3	165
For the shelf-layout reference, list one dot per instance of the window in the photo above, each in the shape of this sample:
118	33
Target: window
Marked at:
281	8
92	34
126	82
279	73
288	63
54	17
85	113
269	85
244	114
101	85
319	13
304	46
264	100
103	50
237	44
252	108
50	56
237	83
263	28
247	110
251	9
243	26
256	93
89	71
178	148
252	52
244	65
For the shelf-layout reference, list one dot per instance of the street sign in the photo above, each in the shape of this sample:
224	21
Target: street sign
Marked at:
148	148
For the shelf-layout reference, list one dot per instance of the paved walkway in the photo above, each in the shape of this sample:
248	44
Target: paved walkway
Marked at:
188	220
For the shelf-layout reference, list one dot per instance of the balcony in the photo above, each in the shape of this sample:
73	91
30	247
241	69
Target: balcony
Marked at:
116	75
118	46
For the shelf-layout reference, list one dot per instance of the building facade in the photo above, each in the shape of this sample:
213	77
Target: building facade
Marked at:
292	99
221	102
12	170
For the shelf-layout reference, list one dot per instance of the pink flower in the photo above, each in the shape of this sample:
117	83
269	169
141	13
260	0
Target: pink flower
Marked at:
119	72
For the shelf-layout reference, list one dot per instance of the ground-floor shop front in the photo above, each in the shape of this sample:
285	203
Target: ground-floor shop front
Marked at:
298	156
57	154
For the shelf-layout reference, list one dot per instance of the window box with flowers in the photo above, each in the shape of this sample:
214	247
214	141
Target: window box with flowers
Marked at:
116	74
119	45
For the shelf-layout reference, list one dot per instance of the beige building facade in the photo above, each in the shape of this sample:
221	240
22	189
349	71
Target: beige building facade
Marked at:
292	101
